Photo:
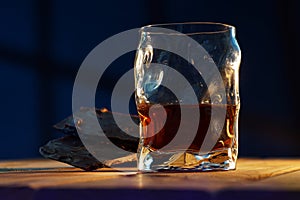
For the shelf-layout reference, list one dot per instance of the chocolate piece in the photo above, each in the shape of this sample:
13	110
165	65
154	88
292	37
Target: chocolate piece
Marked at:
110	129
69	149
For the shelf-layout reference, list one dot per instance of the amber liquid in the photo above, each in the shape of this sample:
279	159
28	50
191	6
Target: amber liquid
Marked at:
159	126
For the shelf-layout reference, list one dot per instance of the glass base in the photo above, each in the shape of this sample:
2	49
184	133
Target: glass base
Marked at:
155	161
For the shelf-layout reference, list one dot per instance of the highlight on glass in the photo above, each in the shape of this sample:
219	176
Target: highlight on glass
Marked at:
187	97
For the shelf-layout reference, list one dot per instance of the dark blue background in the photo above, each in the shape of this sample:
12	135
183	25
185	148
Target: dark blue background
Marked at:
43	42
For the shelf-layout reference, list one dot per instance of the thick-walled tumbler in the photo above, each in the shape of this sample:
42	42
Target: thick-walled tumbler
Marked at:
187	97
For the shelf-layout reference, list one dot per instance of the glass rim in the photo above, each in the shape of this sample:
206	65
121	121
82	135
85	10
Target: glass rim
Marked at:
226	28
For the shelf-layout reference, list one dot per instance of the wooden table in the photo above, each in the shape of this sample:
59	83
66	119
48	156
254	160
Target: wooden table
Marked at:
253	179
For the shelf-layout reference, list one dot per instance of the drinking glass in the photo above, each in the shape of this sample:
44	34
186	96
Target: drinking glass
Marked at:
187	97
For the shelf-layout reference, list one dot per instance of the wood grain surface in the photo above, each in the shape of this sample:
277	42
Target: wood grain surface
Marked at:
47	179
